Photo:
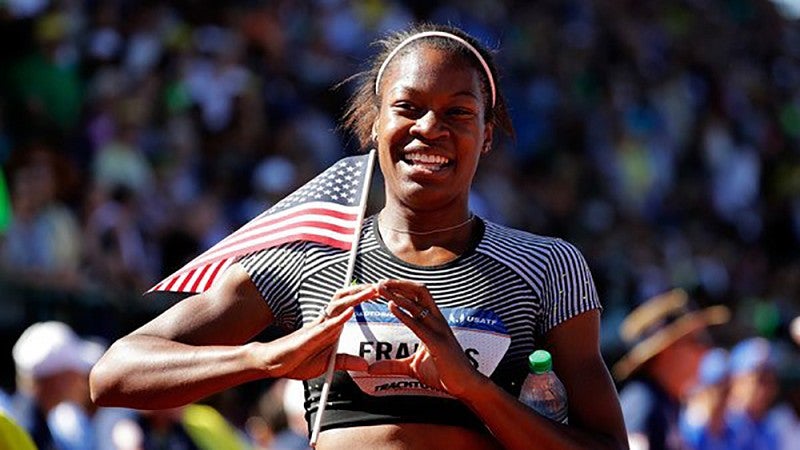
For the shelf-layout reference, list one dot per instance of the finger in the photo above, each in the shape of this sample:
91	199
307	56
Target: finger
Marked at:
395	283
400	289
391	367
412	320
337	320
402	297
403	308
319	337
329	325
349	290
411	306
351	362
417	309
350	299
407	289
369	290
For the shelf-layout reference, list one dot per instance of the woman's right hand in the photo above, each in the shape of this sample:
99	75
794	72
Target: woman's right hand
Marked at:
304	353
203	344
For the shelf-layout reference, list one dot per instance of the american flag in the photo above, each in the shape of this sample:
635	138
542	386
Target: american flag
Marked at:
328	209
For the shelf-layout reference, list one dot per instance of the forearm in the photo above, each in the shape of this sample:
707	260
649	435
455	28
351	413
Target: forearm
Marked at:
149	372
202	345
516	426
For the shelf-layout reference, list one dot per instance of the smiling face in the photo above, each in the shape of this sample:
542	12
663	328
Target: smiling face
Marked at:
431	128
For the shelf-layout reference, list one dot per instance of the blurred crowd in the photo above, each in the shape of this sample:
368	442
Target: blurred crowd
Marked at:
53	407
660	137
682	389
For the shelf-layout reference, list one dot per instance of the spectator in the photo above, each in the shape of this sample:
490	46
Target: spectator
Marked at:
45	85
702	422
193	427
294	436
121	162
118	251
53	365
43	241
158	429
51	383
666	339
279	422
754	389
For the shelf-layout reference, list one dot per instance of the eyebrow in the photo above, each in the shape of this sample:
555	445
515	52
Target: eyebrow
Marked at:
413	91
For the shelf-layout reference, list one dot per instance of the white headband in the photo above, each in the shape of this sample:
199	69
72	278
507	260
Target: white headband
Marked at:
444	35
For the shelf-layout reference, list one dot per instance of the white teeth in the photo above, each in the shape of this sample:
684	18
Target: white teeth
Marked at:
427	159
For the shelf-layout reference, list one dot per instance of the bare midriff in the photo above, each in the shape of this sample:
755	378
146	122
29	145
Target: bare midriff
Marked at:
407	436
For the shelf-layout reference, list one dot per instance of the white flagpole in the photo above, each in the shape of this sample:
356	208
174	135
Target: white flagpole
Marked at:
326	386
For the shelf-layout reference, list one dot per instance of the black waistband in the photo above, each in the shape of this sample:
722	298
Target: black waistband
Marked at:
348	406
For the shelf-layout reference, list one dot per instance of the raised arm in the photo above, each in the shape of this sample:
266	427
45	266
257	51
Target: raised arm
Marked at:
200	346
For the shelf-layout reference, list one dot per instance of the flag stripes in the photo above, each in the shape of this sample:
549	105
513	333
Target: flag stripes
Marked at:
329	226
325	210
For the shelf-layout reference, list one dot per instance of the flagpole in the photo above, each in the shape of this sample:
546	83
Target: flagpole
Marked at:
351	264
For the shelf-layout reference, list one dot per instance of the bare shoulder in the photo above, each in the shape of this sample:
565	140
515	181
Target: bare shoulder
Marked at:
232	312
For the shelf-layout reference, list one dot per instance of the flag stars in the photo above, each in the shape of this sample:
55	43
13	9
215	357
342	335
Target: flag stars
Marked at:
341	183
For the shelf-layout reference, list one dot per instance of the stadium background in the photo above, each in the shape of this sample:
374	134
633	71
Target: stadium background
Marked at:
660	137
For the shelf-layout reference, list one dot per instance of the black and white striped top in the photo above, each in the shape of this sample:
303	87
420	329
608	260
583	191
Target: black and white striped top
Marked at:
532	283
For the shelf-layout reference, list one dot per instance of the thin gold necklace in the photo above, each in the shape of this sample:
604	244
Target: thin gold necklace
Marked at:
424	233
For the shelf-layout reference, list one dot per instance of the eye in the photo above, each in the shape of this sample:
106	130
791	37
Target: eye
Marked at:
461	112
407	109
403	105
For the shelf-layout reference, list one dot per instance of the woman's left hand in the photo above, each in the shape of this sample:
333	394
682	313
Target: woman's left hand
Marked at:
439	362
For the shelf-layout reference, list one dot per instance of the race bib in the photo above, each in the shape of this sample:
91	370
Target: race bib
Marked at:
375	334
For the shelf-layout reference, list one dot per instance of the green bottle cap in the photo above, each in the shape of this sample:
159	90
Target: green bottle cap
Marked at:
540	361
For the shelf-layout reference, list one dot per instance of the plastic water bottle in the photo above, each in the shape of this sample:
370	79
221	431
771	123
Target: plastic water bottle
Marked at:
542	390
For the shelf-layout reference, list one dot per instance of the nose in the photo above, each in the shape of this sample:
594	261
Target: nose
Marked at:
428	126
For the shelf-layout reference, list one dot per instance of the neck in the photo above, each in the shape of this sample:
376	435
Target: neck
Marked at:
431	231
427	240
401	219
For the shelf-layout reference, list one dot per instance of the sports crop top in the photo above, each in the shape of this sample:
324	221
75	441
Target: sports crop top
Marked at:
508	289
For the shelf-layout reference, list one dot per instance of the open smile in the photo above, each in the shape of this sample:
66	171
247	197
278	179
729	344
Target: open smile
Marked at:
432	163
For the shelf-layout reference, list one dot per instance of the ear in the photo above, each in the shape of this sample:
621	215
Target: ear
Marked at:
487	139
374	135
